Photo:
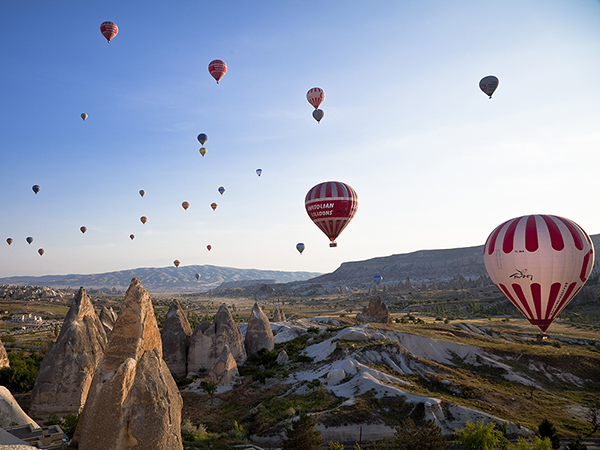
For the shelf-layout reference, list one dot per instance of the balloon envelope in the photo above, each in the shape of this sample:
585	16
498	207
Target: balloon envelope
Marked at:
29	240
318	114
331	205
143	219
83	229
300	247
109	30
539	262
132	236
41	251
213	206
377	279
35	188
202	138
185	205
259	172
84	116
203	151
217	69
315	96
197	276
221	190
209	247
489	84
9	241
142	192
176	262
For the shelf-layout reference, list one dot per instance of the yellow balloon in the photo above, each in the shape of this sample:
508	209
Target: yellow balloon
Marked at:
203	151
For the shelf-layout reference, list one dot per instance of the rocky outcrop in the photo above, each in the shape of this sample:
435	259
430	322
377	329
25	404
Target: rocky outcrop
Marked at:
108	318
4	362
278	315
225	370
11	414
133	402
282	358
67	370
209	339
258	334
175	336
375	312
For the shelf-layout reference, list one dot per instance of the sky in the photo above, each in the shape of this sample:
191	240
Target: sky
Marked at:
435	163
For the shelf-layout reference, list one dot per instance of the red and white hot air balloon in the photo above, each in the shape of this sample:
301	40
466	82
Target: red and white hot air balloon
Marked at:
331	206
315	96
539	262
217	69
109	30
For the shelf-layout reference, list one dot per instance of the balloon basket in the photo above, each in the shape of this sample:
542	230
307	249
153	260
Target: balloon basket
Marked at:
333	244
542	337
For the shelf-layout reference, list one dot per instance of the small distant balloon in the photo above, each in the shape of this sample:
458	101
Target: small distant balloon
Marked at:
489	84
35	188
315	96
9	241
109	30
197	276
185	205
217	69
83	229
202	138
41	251
209	247
377	279
29	240
176	262
300	247
213	206
142	192
318	115
132	236
202	151
259	172
143	219
84	116
221	190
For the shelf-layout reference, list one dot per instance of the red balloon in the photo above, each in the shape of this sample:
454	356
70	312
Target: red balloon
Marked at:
176	262
83	229
331	206
209	247
132	236
109	30
9	241
217	69
41	251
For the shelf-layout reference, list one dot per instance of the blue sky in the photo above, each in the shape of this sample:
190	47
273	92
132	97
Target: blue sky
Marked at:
435	163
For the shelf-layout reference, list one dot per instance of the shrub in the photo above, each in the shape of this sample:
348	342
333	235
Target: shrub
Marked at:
477	436
409	437
546	429
301	435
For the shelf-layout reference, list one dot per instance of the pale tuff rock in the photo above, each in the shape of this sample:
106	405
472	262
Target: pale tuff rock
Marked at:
133	402
375	312
225	370
209	339
278	315
68	368
282	357
258	333
4	362
11	414
108	318
175	336
335	376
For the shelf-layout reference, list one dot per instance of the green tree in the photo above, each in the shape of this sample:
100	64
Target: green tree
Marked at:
546	429
209	386
534	444
576	444
477	436
301	435
410	437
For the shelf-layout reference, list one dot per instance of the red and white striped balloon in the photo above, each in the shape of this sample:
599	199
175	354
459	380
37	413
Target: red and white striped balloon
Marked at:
109	30
315	96
217	69
539	262
331	206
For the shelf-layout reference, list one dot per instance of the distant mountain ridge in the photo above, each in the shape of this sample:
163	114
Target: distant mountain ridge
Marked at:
163	279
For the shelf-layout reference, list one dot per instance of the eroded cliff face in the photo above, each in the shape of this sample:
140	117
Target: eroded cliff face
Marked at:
67	369
133	402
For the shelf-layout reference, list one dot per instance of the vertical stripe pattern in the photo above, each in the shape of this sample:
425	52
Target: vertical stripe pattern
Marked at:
331	205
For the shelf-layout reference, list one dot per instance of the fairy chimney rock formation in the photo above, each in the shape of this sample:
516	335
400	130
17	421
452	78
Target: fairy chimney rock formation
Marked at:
67	370
375	312
225	370
175	336
107	319
258	334
278	315
209	339
133	402
4	362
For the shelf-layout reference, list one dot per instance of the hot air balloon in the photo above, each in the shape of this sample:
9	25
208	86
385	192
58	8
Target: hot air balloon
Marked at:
29	240
142	192
132	236
377	279
185	205
217	69
143	219
35	188
109	30
331	205
176	262
259	172
539	262
213	206
315	96
318	115
202	138
41	251
9	241
221	190
202	151
84	116
83	229
300	247
489	84
209	247
197	276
